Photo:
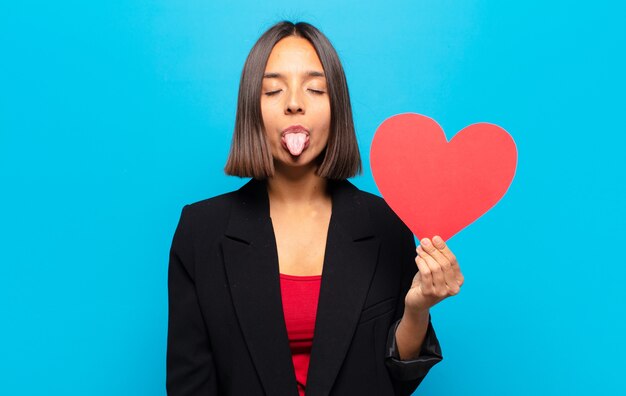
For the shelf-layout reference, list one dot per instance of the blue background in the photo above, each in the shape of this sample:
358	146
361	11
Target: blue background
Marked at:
113	115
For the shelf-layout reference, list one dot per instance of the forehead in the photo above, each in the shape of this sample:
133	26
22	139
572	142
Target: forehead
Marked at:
293	54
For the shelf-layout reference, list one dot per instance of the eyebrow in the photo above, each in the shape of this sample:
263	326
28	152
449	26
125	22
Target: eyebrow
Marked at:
310	73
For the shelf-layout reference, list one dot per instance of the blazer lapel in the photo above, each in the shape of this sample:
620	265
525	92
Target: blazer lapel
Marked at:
251	261
349	263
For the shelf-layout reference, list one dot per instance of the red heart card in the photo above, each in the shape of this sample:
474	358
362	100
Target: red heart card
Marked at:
438	187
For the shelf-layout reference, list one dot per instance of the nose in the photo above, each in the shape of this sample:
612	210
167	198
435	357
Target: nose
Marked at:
295	103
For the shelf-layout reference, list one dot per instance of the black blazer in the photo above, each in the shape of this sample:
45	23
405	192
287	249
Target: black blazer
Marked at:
226	329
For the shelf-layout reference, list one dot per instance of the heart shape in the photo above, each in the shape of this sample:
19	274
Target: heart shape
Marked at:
438	187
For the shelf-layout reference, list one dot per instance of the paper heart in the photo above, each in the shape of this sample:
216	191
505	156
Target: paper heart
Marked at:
438	187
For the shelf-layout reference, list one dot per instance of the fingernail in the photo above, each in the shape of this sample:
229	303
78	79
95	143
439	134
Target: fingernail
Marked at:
425	242
438	239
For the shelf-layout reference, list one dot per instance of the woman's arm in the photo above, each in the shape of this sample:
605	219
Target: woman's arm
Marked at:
411	332
406	374
439	277
190	366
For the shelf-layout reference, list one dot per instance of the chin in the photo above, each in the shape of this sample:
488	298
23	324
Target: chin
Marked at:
296	162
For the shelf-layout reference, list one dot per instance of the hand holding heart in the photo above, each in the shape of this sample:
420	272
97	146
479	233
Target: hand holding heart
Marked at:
438	277
437	187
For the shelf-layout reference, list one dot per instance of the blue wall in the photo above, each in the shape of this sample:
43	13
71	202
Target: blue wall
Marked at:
115	114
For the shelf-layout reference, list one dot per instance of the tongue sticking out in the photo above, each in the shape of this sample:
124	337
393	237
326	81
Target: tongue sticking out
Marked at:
295	142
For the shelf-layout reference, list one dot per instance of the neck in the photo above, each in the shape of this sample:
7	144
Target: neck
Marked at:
296	186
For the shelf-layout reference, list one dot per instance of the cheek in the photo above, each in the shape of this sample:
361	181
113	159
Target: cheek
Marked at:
322	112
327	120
324	123
266	118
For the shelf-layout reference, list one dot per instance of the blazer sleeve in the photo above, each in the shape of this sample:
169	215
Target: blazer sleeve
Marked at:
190	365
408	374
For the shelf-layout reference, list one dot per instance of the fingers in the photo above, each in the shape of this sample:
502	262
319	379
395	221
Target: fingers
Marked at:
439	243
426	279
445	272
443	248
439	281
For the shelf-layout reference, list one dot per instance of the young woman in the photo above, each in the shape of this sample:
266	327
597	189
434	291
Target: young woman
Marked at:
299	280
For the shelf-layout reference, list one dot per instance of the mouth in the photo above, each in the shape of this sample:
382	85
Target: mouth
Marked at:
295	129
295	139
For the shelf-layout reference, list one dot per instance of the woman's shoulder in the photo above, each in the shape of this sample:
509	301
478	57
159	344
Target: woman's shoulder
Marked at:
214	203
208	211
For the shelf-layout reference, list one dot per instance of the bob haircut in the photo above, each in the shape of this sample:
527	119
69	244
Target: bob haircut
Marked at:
250	154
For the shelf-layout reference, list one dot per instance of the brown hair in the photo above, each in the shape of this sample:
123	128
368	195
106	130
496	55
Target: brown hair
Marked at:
250	154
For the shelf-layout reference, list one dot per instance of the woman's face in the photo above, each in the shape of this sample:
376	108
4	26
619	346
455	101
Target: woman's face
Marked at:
294	95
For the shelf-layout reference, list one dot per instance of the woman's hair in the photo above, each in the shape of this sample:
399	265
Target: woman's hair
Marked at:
250	154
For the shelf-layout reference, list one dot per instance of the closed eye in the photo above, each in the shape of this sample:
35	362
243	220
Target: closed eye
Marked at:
315	91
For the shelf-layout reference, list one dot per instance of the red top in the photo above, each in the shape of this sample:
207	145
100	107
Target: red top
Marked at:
300	295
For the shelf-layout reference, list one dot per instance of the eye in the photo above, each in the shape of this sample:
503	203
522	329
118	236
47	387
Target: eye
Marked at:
317	92
272	92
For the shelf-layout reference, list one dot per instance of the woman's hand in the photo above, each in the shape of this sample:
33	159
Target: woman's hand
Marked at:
439	276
